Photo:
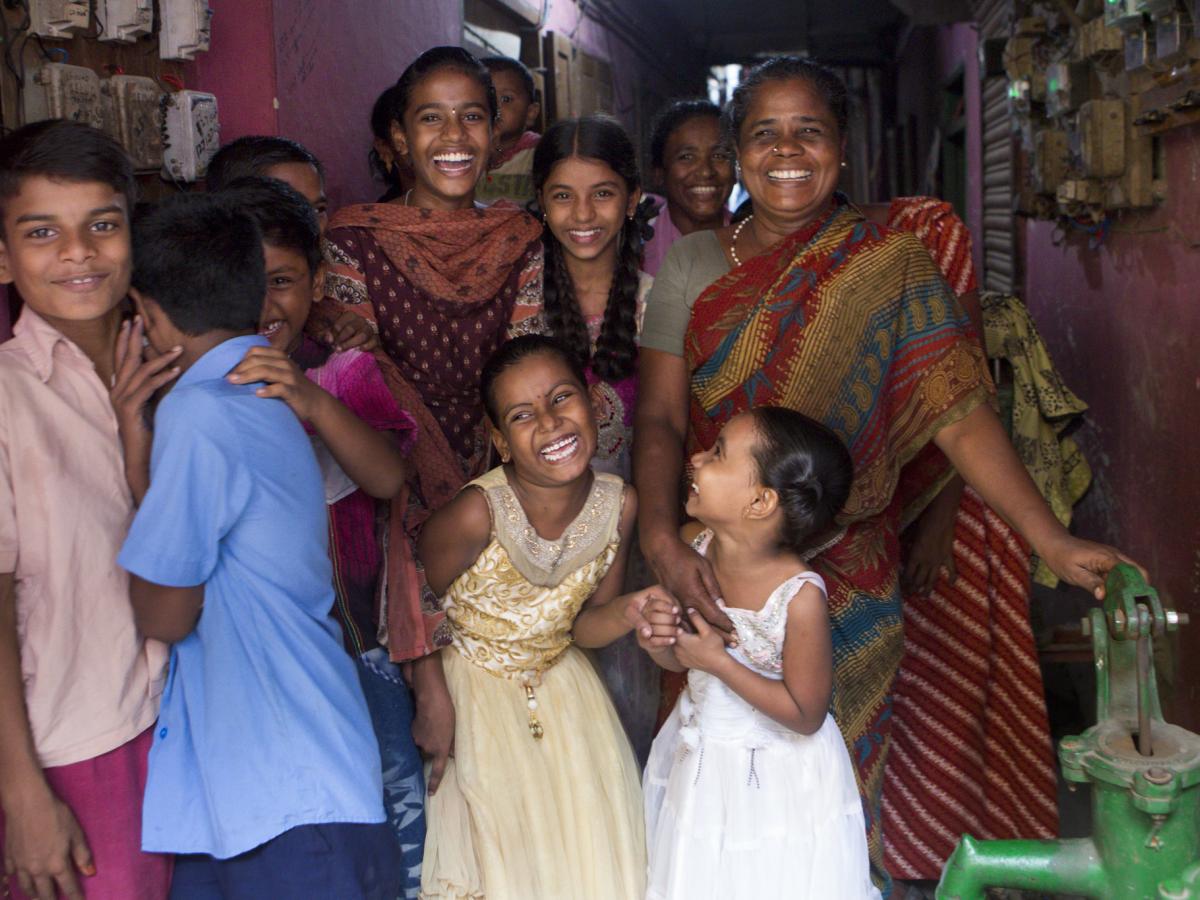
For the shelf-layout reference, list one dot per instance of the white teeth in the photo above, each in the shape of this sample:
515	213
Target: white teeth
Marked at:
703	189
561	449
790	174
271	327
583	234
82	279
453	157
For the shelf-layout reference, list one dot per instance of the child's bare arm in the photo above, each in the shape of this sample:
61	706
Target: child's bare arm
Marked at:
43	844
369	457
603	619
453	538
801	700
167	614
450	542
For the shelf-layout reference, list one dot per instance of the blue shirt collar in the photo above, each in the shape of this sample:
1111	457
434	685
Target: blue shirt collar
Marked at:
218	361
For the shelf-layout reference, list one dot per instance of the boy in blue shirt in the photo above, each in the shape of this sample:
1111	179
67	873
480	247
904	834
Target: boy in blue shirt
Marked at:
264	773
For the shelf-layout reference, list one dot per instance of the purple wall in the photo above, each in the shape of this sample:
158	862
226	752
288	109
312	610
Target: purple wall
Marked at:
930	58
331	65
1123	324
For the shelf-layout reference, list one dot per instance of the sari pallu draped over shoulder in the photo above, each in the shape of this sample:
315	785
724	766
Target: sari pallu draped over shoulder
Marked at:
458	263
851	324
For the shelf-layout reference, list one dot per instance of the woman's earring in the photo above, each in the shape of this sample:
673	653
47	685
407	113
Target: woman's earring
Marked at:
844	164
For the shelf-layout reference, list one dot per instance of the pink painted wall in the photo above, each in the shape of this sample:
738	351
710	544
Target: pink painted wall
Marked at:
240	68
1123	324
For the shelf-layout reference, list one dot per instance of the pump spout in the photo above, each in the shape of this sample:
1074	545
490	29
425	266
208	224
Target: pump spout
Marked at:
1065	867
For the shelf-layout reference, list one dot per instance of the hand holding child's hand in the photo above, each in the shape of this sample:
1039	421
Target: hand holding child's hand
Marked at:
352	332
654	615
704	650
283	380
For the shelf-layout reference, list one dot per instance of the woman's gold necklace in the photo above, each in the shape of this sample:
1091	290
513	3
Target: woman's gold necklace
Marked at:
733	240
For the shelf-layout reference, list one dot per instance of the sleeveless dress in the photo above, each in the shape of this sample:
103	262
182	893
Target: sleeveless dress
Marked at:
541	799
739	806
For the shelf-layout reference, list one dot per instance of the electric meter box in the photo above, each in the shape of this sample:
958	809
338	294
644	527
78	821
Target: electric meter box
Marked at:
185	28
59	91
124	20
191	134
1102	138
57	19
136	111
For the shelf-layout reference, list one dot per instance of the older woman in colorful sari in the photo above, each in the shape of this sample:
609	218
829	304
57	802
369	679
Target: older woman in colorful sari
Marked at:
808	305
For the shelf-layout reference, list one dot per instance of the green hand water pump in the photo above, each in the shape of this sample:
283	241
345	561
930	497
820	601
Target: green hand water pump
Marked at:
1144	773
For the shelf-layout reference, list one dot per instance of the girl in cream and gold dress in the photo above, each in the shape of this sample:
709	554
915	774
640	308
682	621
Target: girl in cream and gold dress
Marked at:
541	798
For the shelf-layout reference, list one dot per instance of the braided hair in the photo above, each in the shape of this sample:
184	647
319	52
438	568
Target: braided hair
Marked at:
604	140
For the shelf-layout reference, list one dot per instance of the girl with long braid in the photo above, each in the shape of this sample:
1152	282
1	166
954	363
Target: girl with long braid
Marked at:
588	188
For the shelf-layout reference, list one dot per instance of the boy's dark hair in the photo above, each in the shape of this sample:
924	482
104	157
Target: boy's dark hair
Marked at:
823	79
201	259
808	467
283	216
433	60
508	64
515	351
603	139
64	150
254	155
671	118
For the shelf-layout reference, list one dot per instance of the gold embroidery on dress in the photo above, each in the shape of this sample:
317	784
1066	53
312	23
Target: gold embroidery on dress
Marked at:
501	619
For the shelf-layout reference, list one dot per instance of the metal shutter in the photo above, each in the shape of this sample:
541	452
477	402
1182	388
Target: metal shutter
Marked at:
1000	271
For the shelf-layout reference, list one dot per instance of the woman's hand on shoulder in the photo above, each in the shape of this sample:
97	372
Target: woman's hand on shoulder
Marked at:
454	537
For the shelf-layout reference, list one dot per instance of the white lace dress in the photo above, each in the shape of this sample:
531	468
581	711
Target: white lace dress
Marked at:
739	806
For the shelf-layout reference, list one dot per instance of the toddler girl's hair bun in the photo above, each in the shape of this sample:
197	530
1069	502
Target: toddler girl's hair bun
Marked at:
808	467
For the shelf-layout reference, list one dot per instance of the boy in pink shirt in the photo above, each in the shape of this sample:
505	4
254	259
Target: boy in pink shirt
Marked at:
79	685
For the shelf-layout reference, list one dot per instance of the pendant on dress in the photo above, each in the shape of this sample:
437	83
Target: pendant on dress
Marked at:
535	727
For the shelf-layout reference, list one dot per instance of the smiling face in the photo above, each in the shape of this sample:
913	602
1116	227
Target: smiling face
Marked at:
307	182
547	425
289	297
66	248
586	203
446	134
725	478
698	174
517	111
790	151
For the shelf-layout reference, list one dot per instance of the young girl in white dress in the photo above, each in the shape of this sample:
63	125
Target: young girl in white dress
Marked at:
749	790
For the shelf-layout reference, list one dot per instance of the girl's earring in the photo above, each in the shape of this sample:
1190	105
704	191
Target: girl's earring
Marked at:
844	164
